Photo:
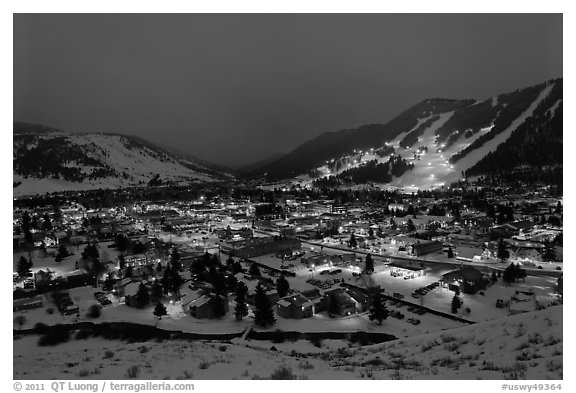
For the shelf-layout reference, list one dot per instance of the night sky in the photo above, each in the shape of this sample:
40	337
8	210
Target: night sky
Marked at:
233	89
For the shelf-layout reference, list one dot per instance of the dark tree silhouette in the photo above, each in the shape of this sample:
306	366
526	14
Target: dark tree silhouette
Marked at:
160	310
369	265
282	286
263	312
142	297
241	309
455	304
378	309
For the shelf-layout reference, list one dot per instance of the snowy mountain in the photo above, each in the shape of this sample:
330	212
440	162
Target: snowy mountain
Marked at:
436	143
50	160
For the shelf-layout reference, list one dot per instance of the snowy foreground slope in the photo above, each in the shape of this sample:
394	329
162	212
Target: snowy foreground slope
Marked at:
525	346
58	161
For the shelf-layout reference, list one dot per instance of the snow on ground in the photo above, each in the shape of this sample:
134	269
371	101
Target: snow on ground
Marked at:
179	321
46	261
526	346
34	186
140	163
554	107
100	359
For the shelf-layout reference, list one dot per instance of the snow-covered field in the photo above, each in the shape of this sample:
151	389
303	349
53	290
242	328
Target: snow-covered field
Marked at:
526	346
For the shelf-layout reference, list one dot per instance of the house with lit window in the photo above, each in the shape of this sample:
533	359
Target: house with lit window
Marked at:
467	280
295	306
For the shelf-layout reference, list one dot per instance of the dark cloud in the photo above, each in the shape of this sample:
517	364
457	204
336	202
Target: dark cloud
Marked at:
237	88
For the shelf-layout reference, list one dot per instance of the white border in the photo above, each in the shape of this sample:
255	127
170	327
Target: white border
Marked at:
338	6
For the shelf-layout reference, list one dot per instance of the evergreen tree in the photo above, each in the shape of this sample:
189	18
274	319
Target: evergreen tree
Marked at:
263	312
254	270
46	223
236	267
410	210
122	243
560	285
24	266
26	226
230	262
231	282
219	306
160	310
558	209
516	271
450	252
138	247
175	259
353	243
142	297
171	281
411	226
282	286
61	253
128	272
241	309
157	292
522	274
549	252
378	311
455	304
333	306
369	266
91	253
502	252
393	223
108	282
508	275
121	261
220	287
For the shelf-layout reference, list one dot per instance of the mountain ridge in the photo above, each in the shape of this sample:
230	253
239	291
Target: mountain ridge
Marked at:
47	159
468	126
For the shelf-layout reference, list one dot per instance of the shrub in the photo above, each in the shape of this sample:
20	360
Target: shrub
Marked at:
94	311
41	328
132	372
55	336
278	336
83	373
20	320
108	355
83	334
143	349
204	364
306	365
316	341
283	373
446	338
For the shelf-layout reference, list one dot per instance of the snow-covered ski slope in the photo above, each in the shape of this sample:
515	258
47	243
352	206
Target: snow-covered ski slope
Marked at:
432	168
